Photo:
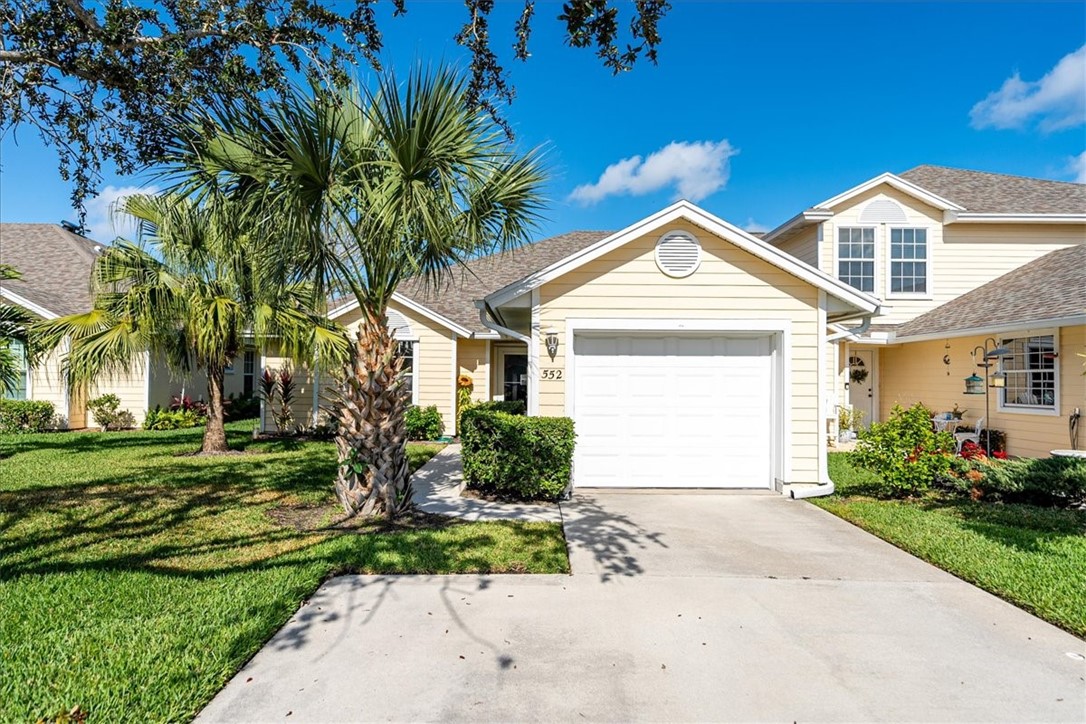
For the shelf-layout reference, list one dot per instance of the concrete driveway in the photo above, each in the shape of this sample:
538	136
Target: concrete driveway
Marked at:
682	607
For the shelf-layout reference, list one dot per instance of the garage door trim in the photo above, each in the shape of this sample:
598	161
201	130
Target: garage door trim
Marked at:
779	331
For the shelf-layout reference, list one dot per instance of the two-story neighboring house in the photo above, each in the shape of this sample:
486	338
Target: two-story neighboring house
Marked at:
959	259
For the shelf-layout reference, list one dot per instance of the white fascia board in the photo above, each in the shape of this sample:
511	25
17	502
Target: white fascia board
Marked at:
1071	321
27	304
413	306
689	212
954	217
799	221
898	183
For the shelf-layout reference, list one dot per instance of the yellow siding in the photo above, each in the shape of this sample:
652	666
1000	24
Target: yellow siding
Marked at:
436	369
472	359
730	284
803	246
47	385
304	381
915	372
963	256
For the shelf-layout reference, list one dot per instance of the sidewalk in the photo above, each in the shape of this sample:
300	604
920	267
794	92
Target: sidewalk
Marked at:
436	489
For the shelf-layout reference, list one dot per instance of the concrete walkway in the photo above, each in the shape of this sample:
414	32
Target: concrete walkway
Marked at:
680	608
437	486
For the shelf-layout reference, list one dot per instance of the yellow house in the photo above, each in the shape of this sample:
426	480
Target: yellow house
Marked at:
918	242
55	264
688	352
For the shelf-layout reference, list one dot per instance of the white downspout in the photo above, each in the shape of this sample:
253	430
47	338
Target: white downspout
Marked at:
491	324
850	332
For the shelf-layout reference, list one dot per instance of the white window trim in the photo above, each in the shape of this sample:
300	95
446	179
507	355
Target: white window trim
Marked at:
1045	411
888	261
836	240
415	369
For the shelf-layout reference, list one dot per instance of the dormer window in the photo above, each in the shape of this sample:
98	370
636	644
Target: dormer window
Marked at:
909	261
856	257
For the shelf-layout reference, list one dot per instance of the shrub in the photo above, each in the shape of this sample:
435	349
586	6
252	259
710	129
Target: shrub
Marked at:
905	451
242	407
25	416
159	419
184	403
108	413
511	407
517	456
1045	481
424	423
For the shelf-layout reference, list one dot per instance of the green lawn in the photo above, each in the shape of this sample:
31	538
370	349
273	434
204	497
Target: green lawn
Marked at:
135	580
1033	557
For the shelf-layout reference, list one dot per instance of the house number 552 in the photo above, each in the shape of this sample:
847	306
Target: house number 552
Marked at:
550	374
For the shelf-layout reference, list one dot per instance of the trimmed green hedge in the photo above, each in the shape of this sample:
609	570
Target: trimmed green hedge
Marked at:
25	416
1043	481
515	456
513	407
423	423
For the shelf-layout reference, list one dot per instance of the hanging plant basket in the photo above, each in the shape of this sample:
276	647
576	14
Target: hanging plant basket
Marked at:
858	375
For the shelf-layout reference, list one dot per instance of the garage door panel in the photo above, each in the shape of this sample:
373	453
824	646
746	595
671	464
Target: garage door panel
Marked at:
673	411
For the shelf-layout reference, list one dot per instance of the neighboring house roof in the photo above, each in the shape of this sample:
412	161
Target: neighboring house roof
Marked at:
55	265
452	302
963	196
1050	290
982	192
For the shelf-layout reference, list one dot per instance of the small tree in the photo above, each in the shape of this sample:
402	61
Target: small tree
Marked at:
905	451
191	292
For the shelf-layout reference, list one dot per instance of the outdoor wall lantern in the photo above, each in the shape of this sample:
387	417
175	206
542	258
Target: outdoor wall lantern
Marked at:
551	340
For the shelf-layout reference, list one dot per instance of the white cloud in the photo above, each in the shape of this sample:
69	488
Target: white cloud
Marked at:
1077	166
1058	100
102	223
695	169
754	227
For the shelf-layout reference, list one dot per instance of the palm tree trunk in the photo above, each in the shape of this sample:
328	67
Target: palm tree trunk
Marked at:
370	403
215	431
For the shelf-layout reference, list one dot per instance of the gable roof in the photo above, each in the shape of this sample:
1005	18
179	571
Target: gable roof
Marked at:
55	265
452	302
690	212
962	195
982	192
1051	289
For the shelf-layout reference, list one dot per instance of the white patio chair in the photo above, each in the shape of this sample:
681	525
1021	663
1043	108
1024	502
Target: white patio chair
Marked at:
974	436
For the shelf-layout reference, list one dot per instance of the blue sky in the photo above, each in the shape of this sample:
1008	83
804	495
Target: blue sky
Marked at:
755	111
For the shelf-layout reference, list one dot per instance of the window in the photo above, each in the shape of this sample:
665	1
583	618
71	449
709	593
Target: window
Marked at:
21	372
1031	372
248	372
908	261
856	258
406	352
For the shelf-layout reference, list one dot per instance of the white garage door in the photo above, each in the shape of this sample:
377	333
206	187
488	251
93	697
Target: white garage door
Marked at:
691	411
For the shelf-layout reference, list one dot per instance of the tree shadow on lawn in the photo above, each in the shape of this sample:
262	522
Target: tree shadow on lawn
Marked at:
213	517
1023	527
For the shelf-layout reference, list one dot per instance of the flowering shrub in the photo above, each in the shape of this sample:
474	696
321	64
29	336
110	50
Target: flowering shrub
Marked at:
906	453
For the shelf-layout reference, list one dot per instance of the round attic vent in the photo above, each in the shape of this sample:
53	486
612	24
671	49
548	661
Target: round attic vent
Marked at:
678	254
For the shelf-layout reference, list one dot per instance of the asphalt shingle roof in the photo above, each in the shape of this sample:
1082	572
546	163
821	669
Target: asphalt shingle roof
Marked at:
55	263
981	192
455	297
1051	287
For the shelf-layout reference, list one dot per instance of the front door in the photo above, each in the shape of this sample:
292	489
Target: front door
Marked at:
512	375
861	384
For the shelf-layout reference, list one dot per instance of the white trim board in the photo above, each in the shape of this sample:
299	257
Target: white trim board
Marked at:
414	307
894	181
27	304
684	210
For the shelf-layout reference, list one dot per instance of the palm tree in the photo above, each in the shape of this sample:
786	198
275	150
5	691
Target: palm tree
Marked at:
373	187
188	291
14	322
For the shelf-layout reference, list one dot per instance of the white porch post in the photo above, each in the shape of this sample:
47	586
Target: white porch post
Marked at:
533	357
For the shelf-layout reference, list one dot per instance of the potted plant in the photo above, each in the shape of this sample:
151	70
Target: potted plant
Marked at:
956	414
